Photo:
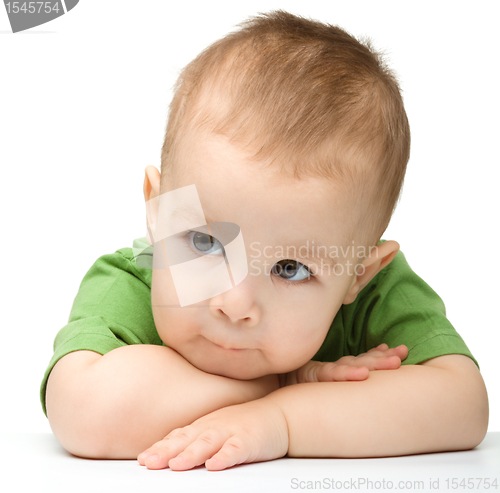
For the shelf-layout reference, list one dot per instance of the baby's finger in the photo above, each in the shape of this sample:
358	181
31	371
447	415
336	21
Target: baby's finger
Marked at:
234	451
204	447
386	363
158	455
380	347
332	372
400	351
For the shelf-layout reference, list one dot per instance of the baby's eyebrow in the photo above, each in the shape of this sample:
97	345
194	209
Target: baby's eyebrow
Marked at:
194	216
189	213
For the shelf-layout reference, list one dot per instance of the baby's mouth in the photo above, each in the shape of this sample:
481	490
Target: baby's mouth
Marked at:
230	348
226	347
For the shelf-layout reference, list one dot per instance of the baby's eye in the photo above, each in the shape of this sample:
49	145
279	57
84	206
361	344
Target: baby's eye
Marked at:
291	270
206	244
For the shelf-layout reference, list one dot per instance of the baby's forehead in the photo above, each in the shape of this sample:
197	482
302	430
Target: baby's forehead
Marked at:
228	177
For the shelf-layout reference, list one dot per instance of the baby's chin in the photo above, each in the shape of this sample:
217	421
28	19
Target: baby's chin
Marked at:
228	369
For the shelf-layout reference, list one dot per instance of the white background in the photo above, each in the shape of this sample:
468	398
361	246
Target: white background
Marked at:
83	106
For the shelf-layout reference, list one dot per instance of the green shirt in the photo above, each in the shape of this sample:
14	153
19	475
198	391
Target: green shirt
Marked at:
113	308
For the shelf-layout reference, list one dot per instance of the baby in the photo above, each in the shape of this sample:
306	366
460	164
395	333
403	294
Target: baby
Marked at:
294	134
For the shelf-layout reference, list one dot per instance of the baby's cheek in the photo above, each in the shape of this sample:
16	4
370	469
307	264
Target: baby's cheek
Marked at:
295	349
172	326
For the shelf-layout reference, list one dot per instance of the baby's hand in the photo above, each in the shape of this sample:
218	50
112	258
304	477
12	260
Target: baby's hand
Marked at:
254	431
347	368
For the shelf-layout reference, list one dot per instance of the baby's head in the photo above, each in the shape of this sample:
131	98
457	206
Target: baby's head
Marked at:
296	132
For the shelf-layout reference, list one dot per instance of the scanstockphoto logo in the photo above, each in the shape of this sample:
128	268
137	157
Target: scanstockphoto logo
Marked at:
25	15
204	259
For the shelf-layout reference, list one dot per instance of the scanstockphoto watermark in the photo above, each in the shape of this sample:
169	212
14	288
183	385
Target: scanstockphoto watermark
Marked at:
383	484
356	484
321	260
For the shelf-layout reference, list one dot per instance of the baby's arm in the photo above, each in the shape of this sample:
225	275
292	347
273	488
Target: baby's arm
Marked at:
115	406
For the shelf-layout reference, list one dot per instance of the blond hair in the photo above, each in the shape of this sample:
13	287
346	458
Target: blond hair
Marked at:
308	99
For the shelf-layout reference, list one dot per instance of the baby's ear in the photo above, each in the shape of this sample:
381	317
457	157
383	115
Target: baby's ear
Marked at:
380	256
151	190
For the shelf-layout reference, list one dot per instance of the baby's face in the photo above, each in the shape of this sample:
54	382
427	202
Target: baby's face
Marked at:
276	319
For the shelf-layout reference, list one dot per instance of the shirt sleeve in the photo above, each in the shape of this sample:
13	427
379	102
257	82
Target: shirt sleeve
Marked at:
112	309
396	307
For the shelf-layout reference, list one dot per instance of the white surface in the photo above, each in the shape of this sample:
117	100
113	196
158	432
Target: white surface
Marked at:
83	108
36	462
